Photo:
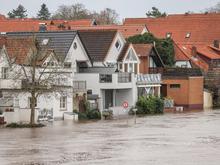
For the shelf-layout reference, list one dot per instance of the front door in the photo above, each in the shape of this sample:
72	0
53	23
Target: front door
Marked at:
108	98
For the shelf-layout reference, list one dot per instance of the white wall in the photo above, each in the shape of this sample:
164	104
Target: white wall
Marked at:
208	99
98	88
113	53
19	115
185	63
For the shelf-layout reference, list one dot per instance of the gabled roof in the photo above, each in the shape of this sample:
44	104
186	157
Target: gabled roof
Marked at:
97	42
146	50
202	30
125	30
124	51
17	48
59	41
143	50
203	27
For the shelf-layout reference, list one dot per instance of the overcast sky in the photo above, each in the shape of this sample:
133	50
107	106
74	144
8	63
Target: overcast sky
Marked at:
125	8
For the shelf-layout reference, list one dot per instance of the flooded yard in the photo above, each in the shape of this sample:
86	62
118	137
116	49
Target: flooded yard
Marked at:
170	139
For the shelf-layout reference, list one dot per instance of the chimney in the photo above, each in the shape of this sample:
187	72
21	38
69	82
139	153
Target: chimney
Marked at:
216	43
194	51
42	27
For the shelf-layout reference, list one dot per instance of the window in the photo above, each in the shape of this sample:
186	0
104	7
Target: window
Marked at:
105	78
168	35
30	100
50	64
63	102
118	45
45	41
174	86
124	77
188	34
67	64
5	73
75	45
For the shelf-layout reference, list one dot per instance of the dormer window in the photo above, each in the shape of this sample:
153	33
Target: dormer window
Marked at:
168	35
45	41
118	45
188	34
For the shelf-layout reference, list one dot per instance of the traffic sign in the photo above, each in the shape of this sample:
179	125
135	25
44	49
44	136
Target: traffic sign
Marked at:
125	104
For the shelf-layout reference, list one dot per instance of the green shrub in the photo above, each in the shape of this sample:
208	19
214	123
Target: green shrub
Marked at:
149	105
82	116
94	114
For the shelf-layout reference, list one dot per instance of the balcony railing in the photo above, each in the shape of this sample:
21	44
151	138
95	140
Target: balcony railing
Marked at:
124	77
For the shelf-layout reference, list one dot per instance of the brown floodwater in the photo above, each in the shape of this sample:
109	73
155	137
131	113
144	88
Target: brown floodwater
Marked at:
170	139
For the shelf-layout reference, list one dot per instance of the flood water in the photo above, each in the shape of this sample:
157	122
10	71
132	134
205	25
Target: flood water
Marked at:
170	139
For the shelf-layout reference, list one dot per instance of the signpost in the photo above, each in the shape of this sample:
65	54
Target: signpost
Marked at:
125	106
135	115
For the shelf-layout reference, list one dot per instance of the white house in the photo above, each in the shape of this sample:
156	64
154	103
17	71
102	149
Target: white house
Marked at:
66	55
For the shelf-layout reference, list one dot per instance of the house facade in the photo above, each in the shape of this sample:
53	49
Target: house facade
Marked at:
66	55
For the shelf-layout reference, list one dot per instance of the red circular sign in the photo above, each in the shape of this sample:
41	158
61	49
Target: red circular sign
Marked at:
125	104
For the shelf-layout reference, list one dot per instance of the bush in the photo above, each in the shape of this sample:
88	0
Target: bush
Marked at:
149	105
22	125
94	114
82	116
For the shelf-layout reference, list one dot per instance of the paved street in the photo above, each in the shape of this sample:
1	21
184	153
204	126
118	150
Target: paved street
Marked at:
183	139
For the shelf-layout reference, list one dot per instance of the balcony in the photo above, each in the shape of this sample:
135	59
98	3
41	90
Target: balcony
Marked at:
106	80
10	84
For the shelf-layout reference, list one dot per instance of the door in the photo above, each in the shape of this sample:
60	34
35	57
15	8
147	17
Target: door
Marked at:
108	98
164	90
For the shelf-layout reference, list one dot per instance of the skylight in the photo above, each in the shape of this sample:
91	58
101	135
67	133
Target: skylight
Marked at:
45	41
188	34
168	35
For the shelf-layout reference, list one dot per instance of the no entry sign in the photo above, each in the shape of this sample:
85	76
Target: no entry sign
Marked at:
125	104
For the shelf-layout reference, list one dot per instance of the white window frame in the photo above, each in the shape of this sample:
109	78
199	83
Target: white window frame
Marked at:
119	45
5	72
63	102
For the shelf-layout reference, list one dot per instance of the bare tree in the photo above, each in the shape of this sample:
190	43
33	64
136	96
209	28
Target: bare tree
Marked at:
214	9
73	12
78	11
39	79
106	16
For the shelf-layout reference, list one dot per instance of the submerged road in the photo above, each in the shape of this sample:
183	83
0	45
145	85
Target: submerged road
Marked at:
170	139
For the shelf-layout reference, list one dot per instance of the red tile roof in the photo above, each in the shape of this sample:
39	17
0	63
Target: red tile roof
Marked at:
203	30
28	24
143	50
17	48
125	30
